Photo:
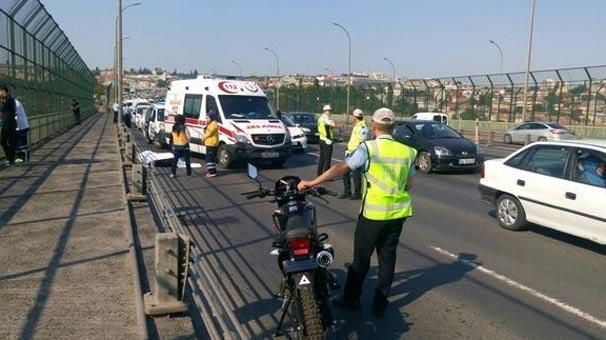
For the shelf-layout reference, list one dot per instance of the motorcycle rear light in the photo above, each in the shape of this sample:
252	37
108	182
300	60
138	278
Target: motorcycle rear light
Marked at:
300	246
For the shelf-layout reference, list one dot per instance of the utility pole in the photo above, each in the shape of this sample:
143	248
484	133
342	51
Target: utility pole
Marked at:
500	52
120	68
528	60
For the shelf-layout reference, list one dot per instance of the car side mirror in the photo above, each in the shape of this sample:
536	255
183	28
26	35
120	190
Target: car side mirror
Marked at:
252	171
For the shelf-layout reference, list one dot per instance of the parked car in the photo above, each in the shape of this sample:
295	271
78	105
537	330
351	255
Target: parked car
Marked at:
309	121
434	116
154	125
439	146
559	185
538	131
297	135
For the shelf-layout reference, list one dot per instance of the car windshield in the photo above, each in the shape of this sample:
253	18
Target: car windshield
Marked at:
160	115
142	109
287	122
436	130
303	118
246	107
556	126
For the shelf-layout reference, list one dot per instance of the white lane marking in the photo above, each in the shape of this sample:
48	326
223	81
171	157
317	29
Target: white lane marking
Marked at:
315	154
563	306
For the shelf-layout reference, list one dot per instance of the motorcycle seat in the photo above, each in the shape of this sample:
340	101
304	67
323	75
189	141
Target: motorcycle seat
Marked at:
298	226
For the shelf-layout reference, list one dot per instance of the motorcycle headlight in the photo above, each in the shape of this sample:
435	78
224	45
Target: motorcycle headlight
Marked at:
441	151
305	130
241	138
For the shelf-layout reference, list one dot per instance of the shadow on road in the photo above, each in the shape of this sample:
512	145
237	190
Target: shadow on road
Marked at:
408	287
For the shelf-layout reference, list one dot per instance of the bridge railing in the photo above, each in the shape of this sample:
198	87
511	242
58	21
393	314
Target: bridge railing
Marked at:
41	68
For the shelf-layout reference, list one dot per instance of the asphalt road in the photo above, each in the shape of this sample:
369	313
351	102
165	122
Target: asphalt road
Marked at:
458	274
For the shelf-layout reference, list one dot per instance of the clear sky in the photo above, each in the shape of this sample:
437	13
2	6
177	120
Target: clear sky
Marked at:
424	38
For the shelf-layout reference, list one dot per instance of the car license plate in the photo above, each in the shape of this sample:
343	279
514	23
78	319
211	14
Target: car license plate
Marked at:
467	161
270	155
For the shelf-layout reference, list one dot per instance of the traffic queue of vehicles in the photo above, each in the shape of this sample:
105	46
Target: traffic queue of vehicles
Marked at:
558	182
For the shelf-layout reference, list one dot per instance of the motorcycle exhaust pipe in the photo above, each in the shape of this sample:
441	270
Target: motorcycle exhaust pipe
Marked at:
324	258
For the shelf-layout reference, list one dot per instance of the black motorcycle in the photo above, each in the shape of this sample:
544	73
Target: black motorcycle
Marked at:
303	257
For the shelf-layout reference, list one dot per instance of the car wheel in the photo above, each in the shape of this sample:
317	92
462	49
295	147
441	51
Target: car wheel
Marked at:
424	162
507	139
225	157
510	213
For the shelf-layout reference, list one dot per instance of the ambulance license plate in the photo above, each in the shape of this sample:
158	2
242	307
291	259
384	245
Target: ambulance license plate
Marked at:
270	155
467	161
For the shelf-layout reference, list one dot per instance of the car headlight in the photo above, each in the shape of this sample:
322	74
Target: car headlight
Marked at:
241	138
479	150
441	151
305	130
287	137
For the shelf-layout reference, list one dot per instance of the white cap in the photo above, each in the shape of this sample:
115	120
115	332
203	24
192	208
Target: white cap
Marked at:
357	113
327	108
384	116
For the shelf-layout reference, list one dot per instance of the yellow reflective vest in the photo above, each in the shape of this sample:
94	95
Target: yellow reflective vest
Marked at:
325	131
356	136
389	164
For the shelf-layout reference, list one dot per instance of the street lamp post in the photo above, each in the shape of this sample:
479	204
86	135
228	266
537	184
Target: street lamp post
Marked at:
278	76
348	67
239	66
393	76
500	53
528	60
119	42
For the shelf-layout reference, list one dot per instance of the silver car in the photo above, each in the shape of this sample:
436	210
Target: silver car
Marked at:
538	131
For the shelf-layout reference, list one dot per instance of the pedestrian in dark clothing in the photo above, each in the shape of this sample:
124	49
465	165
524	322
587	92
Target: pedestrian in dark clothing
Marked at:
8	131
180	146
76	111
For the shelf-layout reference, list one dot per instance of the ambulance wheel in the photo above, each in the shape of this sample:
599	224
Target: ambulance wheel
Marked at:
226	158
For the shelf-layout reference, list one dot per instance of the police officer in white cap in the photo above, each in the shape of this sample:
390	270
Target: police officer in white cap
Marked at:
388	167
325	130
359	133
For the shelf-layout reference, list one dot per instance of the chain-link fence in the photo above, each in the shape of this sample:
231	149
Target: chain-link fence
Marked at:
575	96
41	67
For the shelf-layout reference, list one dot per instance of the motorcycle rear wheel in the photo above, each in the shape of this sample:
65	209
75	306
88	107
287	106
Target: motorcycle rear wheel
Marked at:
310	312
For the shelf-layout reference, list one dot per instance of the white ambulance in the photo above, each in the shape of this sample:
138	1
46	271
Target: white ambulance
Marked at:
249	129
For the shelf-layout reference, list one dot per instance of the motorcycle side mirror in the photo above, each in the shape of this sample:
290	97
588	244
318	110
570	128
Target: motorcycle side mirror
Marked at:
252	171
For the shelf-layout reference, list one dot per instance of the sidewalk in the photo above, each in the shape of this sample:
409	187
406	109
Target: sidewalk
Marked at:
63	255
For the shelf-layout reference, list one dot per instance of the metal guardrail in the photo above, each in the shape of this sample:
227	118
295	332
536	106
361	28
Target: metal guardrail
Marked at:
573	96
210	298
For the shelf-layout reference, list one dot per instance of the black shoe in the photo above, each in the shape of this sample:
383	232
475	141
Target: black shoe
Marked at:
347	304
379	305
355	198
344	196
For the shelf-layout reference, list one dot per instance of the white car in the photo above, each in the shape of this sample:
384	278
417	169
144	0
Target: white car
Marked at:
297	135
559	185
139	115
154	125
537	131
434	116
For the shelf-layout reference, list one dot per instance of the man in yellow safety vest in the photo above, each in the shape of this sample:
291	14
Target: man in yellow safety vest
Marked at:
325	127
359	134
388	167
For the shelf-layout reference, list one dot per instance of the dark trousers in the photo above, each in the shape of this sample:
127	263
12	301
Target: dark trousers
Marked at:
126	119
211	159
370	235
115	116
325	157
178	153
77	117
357	183
9	141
